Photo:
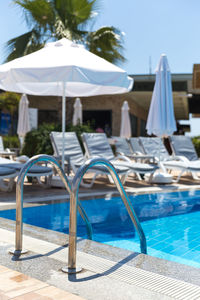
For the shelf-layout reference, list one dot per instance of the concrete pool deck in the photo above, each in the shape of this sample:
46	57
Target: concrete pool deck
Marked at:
108	272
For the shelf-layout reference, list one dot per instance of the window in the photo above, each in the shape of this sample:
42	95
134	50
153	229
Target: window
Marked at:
47	116
99	119
134	126
142	128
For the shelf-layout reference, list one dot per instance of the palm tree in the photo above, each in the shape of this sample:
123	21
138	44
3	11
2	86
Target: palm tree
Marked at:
50	20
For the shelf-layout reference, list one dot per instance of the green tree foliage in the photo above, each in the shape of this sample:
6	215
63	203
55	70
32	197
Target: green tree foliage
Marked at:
196	142
54	19
9	102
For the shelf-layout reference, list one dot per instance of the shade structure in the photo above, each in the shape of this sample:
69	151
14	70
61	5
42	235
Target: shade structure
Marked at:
161	120
66	69
78	114
125	129
23	125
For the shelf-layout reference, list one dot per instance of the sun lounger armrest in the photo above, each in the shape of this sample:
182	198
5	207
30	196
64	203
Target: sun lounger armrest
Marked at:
123	157
120	153
180	158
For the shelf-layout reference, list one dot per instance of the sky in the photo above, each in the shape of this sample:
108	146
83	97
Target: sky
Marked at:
150	29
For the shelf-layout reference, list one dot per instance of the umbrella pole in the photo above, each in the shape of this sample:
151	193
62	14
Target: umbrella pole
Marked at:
159	149
63	124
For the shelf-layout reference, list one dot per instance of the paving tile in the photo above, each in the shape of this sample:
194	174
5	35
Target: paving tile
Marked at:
13	284
3	297
31	296
18	286
3	269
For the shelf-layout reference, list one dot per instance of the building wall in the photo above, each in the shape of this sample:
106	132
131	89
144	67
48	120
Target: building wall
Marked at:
105	102
138	99
114	103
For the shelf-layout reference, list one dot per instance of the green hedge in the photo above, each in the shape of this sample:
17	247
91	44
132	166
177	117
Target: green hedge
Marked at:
38	141
196	142
11	142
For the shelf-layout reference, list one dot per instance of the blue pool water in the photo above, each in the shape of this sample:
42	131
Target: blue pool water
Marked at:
171	222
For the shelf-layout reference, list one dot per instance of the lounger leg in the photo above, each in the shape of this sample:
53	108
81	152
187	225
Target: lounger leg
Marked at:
123	178
47	182
195	177
7	187
151	177
138	176
89	185
179	176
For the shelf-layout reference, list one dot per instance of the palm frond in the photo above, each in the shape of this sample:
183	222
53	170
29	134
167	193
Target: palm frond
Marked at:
37	12
106	42
23	44
55	19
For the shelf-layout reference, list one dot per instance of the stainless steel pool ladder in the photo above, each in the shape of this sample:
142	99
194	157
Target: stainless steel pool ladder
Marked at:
74	204
72	268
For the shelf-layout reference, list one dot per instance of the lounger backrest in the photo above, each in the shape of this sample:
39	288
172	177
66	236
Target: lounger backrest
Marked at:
136	145
182	145
97	145
72	146
122	146
1	144
154	146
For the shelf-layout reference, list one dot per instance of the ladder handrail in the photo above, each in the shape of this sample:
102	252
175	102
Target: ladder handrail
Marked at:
74	201
19	197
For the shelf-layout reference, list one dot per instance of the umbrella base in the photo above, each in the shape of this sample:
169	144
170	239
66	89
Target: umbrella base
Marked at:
161	178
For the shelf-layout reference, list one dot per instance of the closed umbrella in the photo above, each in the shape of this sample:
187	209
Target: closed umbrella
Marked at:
161	121
125	129
66	69
77	116
23	125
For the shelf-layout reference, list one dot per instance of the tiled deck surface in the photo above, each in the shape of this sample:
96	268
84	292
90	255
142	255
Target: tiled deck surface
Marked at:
17	286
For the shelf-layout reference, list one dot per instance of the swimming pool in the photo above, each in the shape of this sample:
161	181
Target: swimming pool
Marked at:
171	222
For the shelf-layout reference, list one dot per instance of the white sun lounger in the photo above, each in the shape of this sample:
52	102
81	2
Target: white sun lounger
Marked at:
130	148
97	145
34	172
155	146
183	147
75	157
6	152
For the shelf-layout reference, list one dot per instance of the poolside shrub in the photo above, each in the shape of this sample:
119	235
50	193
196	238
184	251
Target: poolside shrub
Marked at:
38	141
11	141
196	142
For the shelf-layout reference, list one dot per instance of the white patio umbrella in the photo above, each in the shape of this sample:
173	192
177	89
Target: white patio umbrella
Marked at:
23	125
161	121
65	69
125	129
78	114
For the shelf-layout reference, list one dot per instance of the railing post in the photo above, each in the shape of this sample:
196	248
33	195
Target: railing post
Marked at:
19	196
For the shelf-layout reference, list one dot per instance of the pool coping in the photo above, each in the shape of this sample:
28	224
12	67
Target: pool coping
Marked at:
130	258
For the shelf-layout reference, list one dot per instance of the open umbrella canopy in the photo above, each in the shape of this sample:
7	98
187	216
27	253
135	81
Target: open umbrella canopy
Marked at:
161	120
44	72
125	129
77	115
63	68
